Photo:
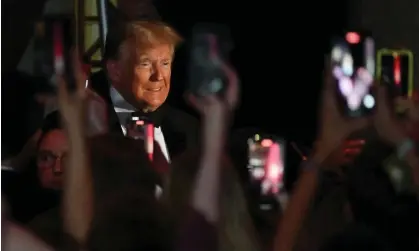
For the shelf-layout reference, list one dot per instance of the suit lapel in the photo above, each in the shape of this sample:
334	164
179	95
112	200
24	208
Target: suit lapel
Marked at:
101	86
114	124
175	140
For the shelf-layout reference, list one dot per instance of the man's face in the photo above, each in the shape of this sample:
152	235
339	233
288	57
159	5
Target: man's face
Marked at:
50	157
144	79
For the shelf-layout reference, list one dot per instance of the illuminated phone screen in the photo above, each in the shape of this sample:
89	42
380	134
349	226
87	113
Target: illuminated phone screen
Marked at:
53	44
353	66
266	164
395	68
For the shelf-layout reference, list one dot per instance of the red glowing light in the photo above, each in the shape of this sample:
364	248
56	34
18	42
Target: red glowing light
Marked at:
266	143
397	70
352	37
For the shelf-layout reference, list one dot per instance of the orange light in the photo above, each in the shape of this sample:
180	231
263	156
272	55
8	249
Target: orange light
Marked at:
266	143
139	122
352	37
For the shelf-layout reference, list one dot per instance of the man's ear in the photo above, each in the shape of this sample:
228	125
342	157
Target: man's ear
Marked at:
114	71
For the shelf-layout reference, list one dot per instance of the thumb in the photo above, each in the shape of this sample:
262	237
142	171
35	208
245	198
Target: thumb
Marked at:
381	96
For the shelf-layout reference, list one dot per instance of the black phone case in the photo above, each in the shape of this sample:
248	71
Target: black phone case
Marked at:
209	49
46	33
358	55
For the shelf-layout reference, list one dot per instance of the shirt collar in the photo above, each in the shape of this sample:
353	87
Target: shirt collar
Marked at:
119	103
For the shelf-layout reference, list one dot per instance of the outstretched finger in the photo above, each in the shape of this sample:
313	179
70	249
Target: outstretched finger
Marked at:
233	87
328	90
212	100
382	99
329	80
63	95
79	74
195	102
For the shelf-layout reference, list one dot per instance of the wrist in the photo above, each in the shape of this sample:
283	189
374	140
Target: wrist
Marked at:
311	165
321	151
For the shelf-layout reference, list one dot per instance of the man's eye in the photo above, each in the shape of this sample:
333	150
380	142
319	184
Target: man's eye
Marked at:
46	157
166	63
145	64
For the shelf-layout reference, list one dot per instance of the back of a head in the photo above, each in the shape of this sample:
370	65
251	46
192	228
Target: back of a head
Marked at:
369	186
356	237
118	163
375	202
131	221
235	229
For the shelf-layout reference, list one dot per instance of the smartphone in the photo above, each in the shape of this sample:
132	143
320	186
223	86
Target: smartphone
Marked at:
395	69
139	127
353	67
53	45
266	165
209	50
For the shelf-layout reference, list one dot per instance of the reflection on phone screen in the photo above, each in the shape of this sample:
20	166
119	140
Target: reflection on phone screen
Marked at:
266	164
395	71
353	63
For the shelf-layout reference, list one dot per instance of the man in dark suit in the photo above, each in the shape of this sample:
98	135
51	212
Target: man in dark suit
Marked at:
138	59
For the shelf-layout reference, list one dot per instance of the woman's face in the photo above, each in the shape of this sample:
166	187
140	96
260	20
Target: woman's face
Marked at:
51	154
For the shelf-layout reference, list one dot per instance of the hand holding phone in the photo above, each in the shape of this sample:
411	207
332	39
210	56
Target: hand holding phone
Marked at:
209	51
53	48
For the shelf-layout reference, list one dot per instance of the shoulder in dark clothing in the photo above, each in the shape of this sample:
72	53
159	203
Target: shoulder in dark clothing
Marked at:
197	234
48	227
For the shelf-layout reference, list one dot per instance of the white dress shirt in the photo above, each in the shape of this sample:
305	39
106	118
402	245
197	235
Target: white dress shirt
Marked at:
124	107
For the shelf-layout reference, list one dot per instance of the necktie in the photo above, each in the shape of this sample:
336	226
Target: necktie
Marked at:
154	117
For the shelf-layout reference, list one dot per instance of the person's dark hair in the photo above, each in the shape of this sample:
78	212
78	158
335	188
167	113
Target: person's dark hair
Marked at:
374	201
51	122
131	221
235	231
118	163
368	185
356	237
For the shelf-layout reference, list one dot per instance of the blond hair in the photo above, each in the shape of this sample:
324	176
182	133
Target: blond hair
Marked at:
235	230
139	35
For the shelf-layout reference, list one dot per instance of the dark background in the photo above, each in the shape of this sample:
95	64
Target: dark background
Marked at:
279	53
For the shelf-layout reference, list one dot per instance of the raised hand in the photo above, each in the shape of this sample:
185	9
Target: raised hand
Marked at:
334	127
72	104
216	109
83	106
230	99
411	106
385	122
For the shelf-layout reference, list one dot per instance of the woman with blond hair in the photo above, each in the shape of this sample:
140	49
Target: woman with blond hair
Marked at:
235	230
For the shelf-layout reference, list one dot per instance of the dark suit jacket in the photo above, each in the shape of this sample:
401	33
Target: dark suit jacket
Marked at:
180	129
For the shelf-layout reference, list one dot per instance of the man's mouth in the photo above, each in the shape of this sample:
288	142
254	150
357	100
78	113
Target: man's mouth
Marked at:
154	89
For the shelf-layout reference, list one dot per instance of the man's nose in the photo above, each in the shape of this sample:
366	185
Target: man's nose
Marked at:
157	75
57	167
